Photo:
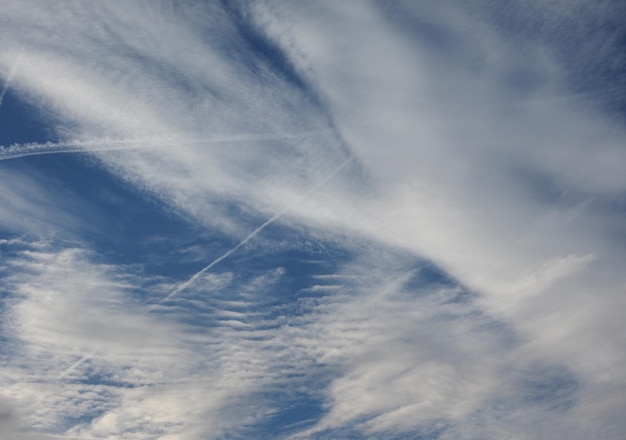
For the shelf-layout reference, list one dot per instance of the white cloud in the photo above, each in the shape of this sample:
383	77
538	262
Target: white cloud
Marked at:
86	358
496	193
69	320
459	148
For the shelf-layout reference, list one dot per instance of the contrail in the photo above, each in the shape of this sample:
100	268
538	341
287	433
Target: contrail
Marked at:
272	219
9	78
16	151
251	235
74	365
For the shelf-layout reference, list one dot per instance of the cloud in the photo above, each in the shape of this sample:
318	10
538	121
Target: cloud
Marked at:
63	309
8	78
10	424
402	133
251	235
488	185
87	358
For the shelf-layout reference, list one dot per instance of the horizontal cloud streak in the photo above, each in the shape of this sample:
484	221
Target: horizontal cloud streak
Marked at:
16	151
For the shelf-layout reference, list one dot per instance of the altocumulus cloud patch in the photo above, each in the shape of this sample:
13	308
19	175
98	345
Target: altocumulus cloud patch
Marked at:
311	220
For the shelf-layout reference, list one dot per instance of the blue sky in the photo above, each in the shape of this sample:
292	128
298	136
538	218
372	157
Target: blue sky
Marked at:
312	220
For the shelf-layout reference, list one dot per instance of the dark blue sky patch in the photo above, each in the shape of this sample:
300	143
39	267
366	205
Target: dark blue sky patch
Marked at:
427	276
294	411
91	374
22	122
107	381
120	222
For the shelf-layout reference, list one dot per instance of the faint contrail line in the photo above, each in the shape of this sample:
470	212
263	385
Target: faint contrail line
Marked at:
272	219
198	274
249	237
16	151
74	365
9	78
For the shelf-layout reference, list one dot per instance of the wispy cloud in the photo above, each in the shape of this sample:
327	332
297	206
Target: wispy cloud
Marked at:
252	234
8	78
15	151
411	136
62	307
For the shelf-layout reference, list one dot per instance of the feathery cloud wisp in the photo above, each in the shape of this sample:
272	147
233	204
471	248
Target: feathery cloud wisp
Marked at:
326	319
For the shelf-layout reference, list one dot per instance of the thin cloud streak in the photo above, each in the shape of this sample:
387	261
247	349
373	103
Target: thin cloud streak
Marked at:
16	151
9	78
75	365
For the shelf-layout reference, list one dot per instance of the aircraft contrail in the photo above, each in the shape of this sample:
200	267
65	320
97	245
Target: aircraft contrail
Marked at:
251	235
272	219
74	365
16	151
9	78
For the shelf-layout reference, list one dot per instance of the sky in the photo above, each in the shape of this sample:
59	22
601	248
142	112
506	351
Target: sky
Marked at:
290	220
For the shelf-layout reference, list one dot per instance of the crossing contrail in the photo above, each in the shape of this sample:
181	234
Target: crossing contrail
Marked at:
251	235
16	151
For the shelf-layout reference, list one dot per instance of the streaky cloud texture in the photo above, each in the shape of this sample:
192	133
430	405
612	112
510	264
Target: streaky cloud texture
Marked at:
273	219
